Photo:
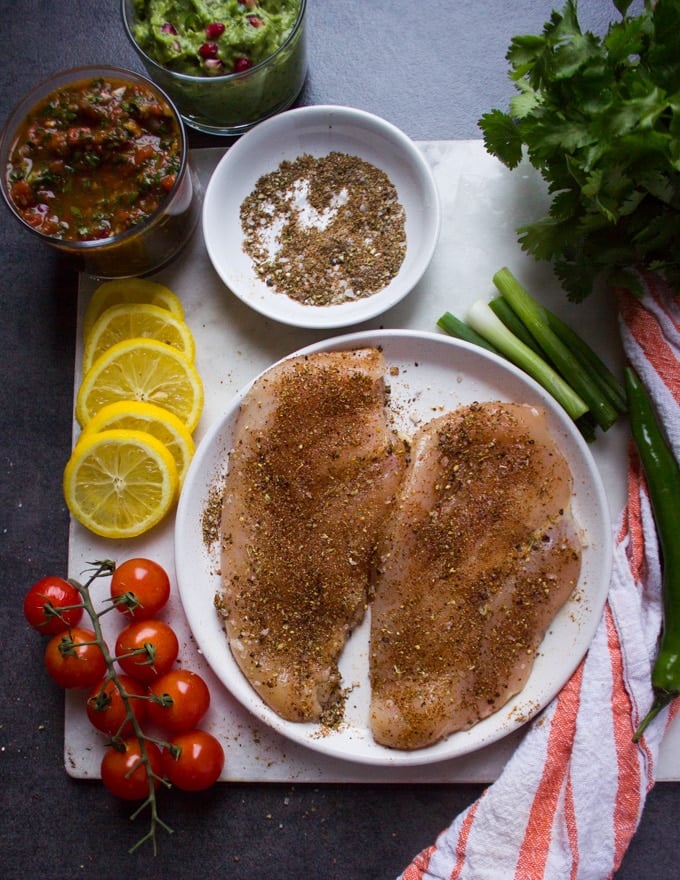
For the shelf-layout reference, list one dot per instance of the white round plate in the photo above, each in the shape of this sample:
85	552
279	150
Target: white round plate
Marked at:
427	373
318	130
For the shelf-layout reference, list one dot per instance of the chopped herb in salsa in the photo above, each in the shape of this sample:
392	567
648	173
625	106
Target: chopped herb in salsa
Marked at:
94	159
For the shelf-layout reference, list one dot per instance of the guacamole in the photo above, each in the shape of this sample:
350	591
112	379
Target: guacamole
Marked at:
212	37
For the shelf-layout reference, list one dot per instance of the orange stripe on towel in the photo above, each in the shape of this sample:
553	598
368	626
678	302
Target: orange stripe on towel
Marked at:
650	337
628	801
463	836
653	283
416	870
572	828
632	527
534	849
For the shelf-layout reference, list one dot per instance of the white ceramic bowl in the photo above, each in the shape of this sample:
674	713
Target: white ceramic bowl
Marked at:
319	130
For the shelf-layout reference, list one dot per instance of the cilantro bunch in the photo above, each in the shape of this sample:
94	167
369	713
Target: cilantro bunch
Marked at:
599	117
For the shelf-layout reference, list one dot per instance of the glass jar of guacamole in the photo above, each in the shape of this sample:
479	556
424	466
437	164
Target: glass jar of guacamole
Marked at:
227	64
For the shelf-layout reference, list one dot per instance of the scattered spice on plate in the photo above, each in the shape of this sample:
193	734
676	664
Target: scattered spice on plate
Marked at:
211	516
325	230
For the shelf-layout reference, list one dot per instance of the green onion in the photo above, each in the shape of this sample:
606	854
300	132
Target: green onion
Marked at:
487	324
455	327
501	309
598	370
558	353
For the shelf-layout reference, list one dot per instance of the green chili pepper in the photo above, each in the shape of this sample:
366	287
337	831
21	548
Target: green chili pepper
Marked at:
662	475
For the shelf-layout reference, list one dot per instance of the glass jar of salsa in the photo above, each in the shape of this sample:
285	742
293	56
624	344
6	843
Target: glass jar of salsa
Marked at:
96	163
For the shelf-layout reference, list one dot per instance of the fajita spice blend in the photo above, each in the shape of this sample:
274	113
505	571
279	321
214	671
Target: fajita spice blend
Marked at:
325	230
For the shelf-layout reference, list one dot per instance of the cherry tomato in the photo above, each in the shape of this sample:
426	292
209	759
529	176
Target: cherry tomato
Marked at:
140	588
123	772
147	649
106	710
73	660
52	605
185	700
198	763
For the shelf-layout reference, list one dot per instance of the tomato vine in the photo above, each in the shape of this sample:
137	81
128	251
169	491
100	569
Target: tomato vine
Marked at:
136	763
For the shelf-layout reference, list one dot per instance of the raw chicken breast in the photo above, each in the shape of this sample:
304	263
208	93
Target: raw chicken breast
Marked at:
480	553
313	471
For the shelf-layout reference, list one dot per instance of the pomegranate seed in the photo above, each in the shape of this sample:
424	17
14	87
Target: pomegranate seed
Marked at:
213	66
214	30
167	28
241	64
208	50
255	20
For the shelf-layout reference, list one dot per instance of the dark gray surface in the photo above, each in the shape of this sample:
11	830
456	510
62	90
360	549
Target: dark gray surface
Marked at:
431	69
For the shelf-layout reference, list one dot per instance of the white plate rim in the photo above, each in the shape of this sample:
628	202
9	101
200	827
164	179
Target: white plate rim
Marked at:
578	619
286	136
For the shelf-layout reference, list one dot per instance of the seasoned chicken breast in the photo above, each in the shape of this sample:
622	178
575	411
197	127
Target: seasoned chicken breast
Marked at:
479	554
313	471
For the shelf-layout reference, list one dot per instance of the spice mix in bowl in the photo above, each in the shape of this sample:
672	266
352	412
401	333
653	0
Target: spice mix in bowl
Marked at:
322	217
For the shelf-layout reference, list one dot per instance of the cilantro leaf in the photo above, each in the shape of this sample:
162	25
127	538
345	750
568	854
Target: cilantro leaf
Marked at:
502	138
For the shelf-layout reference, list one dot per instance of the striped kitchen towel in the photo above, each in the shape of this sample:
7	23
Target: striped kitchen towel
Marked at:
569	800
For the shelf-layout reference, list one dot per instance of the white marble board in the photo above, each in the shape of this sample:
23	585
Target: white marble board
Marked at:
482	204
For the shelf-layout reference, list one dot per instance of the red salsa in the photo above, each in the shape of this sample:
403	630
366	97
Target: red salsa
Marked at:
94	159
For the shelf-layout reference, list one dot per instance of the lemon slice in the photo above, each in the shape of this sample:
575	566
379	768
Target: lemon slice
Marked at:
146	370
140	320
130	290
135	415
119	484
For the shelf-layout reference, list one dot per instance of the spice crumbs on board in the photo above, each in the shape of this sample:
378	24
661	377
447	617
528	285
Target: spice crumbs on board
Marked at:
325	230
